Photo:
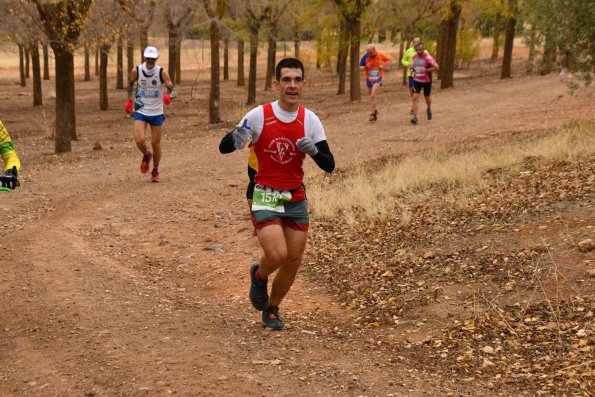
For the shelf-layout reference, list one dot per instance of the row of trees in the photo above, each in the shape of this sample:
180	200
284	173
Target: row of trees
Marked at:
337	26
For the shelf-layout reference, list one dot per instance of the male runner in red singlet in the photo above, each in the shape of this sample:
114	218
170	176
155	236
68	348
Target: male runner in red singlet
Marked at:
280	133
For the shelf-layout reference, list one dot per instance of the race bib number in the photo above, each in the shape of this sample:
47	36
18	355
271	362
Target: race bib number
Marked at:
374	73
419	71
265	198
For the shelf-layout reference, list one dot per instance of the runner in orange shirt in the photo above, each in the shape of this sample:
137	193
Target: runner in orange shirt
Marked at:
374	63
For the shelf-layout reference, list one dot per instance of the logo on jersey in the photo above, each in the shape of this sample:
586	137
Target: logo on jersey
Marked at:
281	150
154	82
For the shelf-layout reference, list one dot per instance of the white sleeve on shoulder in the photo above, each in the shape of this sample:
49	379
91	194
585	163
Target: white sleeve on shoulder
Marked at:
313	127
255	118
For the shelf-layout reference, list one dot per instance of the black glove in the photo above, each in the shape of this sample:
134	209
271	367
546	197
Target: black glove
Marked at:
9	178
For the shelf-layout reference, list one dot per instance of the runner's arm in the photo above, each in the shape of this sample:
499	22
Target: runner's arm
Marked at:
324	158
432	63
169	85
226	145
362	62
131	82
406	60
7	153
385	61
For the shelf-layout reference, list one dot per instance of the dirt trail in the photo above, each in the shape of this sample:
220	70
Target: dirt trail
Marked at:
113	286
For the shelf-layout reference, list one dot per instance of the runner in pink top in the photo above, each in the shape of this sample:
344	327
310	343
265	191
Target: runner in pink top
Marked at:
421	66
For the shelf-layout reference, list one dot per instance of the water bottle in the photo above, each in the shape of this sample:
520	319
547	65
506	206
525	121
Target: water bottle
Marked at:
241	135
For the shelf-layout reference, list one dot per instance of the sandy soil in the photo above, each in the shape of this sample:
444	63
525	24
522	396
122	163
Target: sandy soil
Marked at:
114	286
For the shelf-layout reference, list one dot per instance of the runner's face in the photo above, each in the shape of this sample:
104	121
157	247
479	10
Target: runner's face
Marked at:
420	50
290	88
150	62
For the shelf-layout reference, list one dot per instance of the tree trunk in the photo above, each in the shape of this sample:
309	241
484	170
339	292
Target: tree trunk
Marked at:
27	62
240	81
37	97
120	65
252	72
46	63
441	45
73	136
144	42
172	40
214	91
402	49
496	45
87	66
296	44
271	57
130	55
178	60
226	58
97	61
532	44
22	65
342	53
103	100
65	107
549	54
450	49
508	43
354	28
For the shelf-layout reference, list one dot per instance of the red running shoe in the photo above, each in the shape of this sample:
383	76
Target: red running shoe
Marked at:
144	165
155	176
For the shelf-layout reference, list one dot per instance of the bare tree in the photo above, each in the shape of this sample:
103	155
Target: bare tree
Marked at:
342	53
142	11
37	97
63	34
46	62
256	14
215	12
496	36
226	57
352	11
107	23
87	76
22	65
27	61
129	54
509	39
277	8
237	24
450	44
177	16
120	64
19	26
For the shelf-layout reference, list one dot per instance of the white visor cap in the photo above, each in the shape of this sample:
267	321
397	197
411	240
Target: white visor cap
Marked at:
151	52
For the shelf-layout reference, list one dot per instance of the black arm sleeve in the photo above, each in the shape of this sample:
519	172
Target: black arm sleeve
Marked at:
226	145
324	158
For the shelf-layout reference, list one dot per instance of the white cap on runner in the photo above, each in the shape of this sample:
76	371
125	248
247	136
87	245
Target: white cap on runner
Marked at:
151	52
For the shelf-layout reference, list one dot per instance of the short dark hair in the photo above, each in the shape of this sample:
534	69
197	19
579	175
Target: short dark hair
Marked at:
420	45
291	63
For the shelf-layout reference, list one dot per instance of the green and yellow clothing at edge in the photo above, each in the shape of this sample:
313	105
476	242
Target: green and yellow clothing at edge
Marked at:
7	152
408	59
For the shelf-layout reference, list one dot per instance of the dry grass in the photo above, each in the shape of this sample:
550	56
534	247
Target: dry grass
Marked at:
369	192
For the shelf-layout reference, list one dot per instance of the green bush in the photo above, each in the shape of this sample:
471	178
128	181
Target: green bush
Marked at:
467	47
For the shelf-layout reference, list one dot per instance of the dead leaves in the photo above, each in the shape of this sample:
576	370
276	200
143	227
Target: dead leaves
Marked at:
388	271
